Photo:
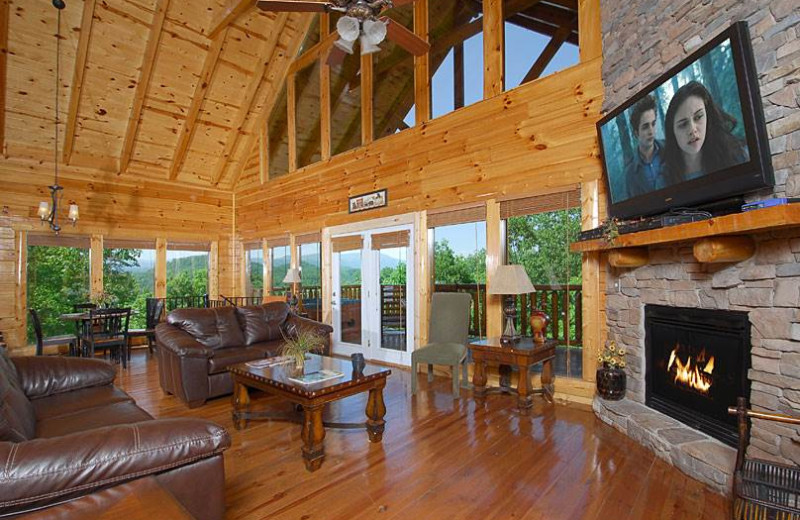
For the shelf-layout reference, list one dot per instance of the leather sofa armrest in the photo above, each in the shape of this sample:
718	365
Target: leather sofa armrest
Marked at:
43	376
42	471
306	323
180	342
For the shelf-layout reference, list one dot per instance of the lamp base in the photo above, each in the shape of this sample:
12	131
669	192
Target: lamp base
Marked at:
510	336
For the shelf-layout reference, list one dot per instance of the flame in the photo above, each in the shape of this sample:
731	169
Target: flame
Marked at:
694	373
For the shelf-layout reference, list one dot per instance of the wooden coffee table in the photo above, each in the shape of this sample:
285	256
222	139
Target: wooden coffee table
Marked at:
312	399
523	354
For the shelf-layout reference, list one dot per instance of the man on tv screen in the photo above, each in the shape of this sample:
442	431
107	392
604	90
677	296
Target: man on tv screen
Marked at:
643	173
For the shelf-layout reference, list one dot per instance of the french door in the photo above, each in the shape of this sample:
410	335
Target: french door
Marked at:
372	297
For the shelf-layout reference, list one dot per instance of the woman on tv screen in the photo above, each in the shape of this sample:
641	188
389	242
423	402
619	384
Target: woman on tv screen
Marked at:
699	136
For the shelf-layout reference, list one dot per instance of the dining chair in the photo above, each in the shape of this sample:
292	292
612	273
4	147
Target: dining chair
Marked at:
41	341
154	312
107	329
448	332
83	307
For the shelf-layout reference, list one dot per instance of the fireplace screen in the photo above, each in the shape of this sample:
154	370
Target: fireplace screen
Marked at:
697	363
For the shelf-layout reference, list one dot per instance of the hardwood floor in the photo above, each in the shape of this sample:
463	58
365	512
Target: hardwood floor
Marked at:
441	458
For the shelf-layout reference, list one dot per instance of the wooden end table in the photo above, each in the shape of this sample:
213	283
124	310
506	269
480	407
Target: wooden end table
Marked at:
312	398
523	355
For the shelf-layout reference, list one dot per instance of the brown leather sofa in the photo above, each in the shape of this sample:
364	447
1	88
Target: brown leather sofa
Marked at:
196	346
68	434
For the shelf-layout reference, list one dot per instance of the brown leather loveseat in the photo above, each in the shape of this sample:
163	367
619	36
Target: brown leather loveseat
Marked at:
68	435
196	346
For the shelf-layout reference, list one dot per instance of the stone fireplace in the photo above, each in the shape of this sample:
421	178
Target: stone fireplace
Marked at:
696	366
642	39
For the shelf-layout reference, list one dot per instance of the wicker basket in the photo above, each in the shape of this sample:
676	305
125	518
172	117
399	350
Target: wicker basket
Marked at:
611	383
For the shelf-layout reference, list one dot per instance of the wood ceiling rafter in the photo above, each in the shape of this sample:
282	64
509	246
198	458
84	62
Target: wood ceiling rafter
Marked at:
3	71
266	52
78	76
143	84
232	11
548	53
190	125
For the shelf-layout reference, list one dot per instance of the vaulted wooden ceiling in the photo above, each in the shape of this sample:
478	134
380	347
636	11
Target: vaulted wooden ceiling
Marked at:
145	92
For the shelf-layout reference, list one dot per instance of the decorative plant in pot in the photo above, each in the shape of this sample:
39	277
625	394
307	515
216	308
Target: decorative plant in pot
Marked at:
103	300
611	378
298	343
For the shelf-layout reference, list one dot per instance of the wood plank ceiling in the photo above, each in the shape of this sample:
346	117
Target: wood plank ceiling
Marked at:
145	93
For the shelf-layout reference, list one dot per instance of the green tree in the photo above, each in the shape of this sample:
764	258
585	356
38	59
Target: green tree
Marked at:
541	243
129	287
451	268
394	275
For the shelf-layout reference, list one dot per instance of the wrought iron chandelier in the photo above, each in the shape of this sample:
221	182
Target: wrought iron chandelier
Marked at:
48	211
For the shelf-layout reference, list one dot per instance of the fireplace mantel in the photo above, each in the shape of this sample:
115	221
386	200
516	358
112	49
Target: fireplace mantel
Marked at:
720	239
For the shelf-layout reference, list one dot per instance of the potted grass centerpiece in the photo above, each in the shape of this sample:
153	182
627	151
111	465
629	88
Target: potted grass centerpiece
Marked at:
298	344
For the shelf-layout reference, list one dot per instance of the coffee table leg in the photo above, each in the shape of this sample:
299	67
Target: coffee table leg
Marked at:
376	410
524	397
313	436
241	405
547	380
505	377
479	381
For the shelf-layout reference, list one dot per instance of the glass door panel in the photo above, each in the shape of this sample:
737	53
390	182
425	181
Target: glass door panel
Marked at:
393	308
347	302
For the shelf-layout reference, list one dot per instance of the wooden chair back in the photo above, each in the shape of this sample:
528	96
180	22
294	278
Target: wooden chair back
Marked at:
37	330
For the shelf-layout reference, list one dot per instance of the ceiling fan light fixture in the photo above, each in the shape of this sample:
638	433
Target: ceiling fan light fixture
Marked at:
346	46
349	28
374	31
367	46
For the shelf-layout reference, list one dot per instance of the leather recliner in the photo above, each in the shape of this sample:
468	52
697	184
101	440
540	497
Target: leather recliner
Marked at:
67	434
196	346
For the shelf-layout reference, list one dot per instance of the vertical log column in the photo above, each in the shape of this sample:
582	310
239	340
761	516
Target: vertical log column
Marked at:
161	268
327	277
494	257
213	271
18	337
421	278
266	270
422	73
96	265
493	55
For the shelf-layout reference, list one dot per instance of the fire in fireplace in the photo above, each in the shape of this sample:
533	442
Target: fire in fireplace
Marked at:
697	362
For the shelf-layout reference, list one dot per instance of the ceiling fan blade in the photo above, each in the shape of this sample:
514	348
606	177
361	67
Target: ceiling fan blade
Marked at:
405	38
336	56
295	6
398	3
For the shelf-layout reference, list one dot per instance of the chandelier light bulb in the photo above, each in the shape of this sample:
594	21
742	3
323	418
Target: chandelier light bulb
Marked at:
368	47
374	31
346	46
44	210
73	213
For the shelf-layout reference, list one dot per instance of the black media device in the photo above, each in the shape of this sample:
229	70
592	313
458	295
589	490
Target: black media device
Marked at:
694	135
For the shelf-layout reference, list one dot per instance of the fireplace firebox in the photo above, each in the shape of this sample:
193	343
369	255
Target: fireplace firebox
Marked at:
697	363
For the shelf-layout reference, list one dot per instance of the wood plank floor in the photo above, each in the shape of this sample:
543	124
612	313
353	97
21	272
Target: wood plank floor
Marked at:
441	459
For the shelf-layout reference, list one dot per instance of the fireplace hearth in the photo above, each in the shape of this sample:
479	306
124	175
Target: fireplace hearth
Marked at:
696	366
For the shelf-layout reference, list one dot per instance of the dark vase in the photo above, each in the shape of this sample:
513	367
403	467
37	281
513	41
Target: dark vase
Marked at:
611	383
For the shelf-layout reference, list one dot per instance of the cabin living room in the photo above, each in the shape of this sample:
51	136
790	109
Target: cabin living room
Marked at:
525	294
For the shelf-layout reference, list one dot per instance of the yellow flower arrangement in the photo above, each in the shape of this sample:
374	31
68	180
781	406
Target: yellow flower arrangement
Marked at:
612	356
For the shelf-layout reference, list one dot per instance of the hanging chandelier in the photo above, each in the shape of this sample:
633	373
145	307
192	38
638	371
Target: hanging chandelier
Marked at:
48	211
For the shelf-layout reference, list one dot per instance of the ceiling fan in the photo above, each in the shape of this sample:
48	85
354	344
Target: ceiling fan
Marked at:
361	20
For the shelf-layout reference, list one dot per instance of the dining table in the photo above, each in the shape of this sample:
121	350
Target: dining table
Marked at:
78	318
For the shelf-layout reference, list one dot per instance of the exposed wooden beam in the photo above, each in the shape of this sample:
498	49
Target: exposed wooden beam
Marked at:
228	15
189	126
590	33
458	76
265	53
548	53
279	64
263	154
367	91
325	94
422	83
291	119
77	78
3	71
143	84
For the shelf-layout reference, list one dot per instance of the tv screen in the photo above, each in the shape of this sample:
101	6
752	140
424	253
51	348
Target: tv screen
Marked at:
694	135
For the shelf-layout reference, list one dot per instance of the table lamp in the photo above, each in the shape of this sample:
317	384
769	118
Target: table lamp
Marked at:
509	281
293	277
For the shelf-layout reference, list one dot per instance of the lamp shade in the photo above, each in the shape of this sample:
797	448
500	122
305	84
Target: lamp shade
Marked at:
292	276
510	279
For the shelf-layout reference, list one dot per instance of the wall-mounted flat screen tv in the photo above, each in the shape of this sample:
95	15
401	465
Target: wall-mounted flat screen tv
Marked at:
694	135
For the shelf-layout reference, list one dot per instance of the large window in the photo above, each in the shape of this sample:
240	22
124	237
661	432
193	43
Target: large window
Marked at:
459	259
540	38
57	279
538	238
254	269
311	272
281	259
456	56
187	270
129	276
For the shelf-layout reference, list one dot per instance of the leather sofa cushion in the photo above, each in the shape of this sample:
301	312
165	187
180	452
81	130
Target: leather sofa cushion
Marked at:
215	328
270	348
225	357
17	416
262	322
70	402
125	412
